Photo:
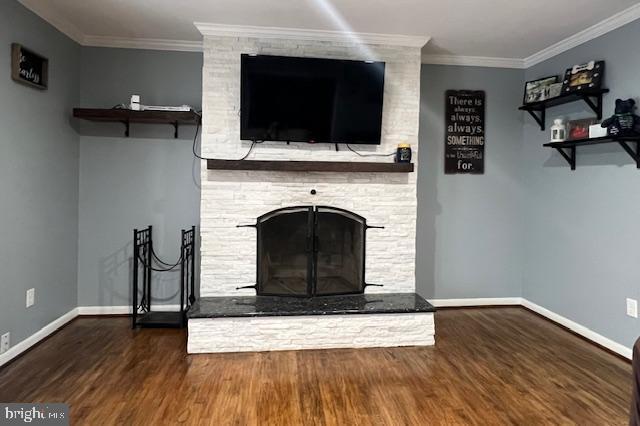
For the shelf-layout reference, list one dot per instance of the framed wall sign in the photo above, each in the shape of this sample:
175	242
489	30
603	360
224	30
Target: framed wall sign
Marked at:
464	132
28	67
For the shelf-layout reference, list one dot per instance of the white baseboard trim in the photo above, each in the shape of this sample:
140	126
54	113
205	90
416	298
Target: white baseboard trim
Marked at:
485	301
36	337
580	329
558	319
121	310
583	331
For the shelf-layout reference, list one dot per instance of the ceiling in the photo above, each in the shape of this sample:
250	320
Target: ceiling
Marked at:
512	29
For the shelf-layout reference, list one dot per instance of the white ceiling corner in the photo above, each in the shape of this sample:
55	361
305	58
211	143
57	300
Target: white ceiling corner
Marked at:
49	13
210	29
605	26
68	16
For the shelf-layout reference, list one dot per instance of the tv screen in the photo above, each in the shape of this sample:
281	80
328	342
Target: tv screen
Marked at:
311	100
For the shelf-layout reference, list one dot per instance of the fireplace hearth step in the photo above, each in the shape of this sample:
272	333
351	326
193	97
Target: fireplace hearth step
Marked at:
270	306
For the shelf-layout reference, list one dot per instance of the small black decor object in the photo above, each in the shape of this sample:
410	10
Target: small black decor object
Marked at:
29	68
624	122
403	154
584	77
539	90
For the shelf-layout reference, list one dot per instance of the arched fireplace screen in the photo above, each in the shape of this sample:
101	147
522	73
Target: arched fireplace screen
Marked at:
311	251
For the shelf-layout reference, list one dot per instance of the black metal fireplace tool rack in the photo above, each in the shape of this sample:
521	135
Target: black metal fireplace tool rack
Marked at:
145	261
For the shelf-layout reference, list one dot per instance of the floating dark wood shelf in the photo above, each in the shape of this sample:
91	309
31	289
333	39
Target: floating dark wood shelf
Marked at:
310	166
127	116
538	110
624	142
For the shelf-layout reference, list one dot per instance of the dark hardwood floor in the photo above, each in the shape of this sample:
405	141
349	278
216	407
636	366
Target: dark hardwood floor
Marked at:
489	366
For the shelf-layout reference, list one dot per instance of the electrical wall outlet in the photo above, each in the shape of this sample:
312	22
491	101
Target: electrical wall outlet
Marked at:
632	308
5	342
31	297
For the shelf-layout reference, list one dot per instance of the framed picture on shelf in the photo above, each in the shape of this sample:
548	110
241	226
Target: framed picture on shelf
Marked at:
539	90
579	129
583	77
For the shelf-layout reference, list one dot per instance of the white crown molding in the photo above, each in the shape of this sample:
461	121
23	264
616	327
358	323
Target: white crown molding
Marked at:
473	61
221	30
143	43
603	27
47	11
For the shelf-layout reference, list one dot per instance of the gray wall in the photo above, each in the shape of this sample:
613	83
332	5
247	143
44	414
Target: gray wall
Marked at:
470	227
581	251
38	178
126	183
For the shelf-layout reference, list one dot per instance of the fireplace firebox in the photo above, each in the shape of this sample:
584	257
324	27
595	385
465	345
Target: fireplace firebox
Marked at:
308	251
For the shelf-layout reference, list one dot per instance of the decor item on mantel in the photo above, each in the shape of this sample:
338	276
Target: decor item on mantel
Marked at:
28	67
624	122
558	130
464	132
584	77
403	154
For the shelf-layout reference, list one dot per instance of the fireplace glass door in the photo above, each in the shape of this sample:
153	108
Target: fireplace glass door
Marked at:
339	254
284	264
310	251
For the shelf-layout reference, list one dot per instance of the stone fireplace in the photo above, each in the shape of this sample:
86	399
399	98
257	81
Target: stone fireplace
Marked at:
311	236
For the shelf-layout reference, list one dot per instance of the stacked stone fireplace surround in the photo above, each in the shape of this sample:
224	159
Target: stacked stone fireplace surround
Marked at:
230	198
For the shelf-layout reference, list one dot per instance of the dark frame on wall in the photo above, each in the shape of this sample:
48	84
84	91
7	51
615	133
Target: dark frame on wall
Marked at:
29	68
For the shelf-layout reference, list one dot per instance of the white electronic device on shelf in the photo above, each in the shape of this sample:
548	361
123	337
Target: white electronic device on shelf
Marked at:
186	108
135	105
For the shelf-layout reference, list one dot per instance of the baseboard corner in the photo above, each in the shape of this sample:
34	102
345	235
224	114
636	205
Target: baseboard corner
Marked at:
26	344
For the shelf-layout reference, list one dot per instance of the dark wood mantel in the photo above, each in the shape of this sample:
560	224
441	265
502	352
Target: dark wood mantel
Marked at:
310	166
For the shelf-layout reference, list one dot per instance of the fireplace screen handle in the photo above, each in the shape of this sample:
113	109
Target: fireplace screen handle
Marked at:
374	285
255	225
247	286
374	227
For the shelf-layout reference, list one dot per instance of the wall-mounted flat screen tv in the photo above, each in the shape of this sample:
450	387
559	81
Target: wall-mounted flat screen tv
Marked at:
311	100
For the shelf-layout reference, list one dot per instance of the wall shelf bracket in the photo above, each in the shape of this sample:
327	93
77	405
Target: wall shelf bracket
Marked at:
126	117
595	103
126	129
539	116
538	110
570	157
568	148
635	154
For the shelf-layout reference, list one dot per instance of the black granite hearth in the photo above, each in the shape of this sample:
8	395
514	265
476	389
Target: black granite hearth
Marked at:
266	306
